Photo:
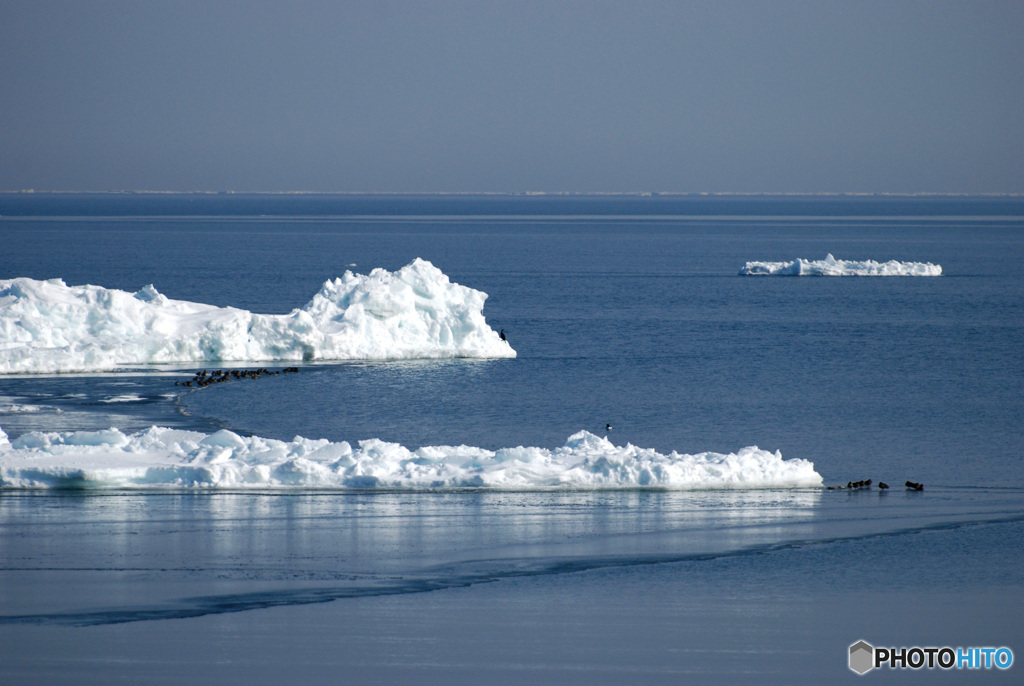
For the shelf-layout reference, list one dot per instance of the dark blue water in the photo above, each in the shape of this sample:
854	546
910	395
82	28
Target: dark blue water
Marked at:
623	310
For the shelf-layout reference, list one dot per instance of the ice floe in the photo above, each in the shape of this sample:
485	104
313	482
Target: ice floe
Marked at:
830	266
177	459
415	312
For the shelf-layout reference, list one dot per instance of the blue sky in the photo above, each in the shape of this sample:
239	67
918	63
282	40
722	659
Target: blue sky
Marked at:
512	96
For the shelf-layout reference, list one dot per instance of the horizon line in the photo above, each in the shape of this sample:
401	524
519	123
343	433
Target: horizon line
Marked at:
641	194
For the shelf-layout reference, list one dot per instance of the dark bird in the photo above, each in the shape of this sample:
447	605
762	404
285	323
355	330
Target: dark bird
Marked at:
502	334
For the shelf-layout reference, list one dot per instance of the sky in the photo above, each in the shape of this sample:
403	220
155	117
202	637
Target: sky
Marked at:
490	96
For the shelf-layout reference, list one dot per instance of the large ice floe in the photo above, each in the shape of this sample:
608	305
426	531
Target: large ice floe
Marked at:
830	266
415	312
161	458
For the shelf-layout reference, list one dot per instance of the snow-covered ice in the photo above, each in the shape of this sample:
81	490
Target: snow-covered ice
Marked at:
415	312
169	458
830	266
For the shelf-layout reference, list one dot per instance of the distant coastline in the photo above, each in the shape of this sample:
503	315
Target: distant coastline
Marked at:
583	194
347	206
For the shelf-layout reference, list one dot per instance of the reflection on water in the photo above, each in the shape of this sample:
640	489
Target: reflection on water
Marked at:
385	531
85	558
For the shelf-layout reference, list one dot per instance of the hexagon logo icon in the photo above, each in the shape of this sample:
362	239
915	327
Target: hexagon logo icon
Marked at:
862	657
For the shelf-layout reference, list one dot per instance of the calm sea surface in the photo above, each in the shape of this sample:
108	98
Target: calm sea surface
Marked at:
623	310
626	311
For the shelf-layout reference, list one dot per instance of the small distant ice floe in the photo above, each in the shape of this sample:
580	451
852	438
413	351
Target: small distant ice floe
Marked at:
830	266
18	408
413	313
168	458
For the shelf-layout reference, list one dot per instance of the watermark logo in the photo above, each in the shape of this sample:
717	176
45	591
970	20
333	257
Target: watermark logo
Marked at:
864	657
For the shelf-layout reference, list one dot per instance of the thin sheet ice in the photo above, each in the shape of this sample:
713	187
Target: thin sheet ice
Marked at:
168	458
830	266
415	312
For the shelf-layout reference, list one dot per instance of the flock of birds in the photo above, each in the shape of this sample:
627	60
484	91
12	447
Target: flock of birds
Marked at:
202	379
858	485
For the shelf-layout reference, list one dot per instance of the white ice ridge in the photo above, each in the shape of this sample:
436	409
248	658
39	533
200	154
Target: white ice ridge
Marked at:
830	266
176	459
415	312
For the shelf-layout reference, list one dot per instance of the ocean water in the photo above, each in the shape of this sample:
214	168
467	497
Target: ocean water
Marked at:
626	311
